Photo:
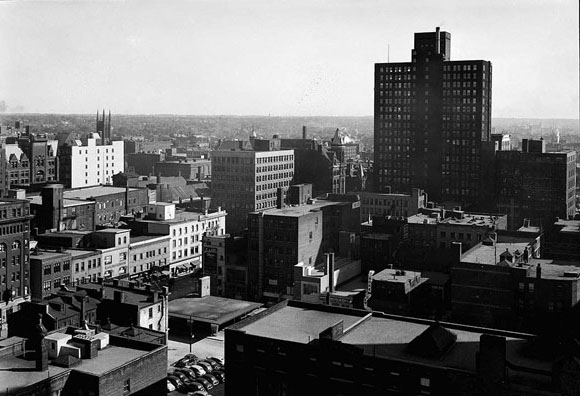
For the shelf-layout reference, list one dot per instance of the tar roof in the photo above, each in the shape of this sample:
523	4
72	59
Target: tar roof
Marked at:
18	373
96	191
382	336
484	254
108	359
211	309
298	324
301	210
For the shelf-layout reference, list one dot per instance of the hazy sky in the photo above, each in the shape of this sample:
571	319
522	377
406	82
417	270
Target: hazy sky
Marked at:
299	57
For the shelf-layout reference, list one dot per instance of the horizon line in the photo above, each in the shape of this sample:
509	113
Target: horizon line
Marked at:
261	115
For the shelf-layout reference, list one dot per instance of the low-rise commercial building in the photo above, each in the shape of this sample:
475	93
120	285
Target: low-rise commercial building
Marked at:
502	285
81	362
297	348
147	252
185	229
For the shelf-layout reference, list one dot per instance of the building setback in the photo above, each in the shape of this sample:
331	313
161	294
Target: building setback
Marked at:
433	124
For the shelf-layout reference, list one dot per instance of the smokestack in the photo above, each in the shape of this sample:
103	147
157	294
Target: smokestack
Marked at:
330	271
437	40
538	271
304	133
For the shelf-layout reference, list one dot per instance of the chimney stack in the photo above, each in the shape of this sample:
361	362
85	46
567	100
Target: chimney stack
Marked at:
330	271
41	353
437	40
538	271
304	133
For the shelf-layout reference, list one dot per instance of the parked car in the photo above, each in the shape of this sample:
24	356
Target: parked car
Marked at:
170	386
195	386
206	366
208	385
199	371
220	375
214	381
214	365
188	372
198	393
186	381
188	359
216	359
176	381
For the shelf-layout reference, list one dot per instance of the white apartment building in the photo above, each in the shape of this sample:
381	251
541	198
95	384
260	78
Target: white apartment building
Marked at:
88	163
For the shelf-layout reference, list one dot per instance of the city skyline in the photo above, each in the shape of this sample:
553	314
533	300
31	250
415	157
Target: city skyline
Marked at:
282	58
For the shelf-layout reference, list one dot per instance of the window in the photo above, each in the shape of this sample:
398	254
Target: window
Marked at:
108	259
521	286
127	386
46	285
531	287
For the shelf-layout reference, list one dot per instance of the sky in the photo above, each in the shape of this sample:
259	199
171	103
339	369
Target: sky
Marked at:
271	57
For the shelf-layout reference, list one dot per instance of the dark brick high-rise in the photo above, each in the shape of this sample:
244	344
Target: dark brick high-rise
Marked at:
433	124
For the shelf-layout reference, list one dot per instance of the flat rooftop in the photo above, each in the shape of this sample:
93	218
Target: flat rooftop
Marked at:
210	309
81	253
109	358
136	296
18	372
144	238
301	210
298	324
92	192
569	226
47	255
468	219
484	254
384	335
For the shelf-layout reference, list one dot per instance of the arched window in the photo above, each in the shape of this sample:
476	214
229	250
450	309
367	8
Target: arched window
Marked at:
15	245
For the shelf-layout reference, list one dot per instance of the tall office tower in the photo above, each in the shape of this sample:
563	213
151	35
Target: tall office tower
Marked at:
433	124
246	179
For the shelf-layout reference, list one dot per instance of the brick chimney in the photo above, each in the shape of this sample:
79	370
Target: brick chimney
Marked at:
41	352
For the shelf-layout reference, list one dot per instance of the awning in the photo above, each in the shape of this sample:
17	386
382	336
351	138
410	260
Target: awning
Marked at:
166	273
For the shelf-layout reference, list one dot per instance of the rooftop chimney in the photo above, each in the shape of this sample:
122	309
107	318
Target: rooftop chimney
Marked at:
538	271
41	353
304	133
437	40
330	271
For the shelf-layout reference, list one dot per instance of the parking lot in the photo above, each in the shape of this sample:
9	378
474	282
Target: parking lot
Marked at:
178	347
